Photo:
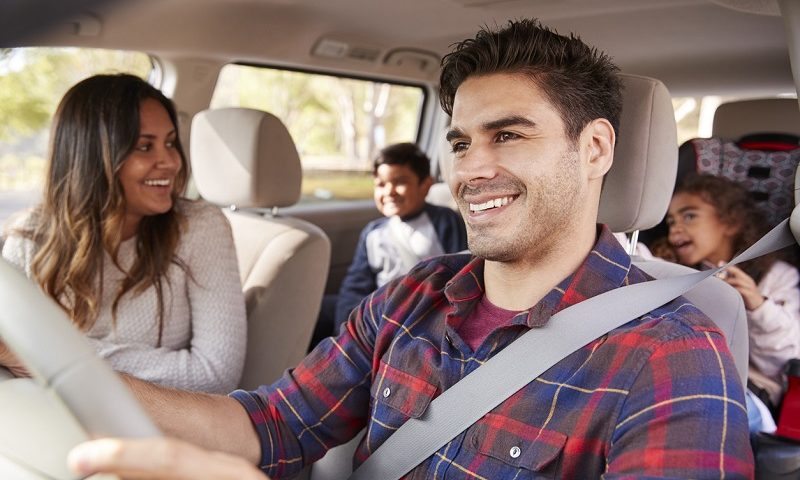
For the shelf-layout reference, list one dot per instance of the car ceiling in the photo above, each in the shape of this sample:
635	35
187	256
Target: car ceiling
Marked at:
694	46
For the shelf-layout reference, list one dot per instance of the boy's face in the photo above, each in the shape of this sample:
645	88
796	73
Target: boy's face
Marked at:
399	191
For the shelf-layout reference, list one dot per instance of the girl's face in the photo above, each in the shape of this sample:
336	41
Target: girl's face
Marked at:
148	173
696	232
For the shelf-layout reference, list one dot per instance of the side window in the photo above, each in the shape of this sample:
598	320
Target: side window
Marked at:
695	115
337	123
32	82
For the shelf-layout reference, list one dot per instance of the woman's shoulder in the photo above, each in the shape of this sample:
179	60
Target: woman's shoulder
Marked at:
202	217
200	211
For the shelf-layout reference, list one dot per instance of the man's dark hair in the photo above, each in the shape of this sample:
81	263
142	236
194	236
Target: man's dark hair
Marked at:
578	80
404	154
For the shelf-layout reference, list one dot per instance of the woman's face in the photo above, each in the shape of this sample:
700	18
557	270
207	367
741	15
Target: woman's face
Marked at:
696	232
148	173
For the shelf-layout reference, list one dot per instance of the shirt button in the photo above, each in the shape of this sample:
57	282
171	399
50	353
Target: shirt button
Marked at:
386	392
514	452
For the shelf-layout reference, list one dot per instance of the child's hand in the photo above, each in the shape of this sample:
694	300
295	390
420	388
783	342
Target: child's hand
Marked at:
745	285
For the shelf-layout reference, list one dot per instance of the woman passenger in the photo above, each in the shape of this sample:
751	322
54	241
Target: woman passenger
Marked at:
149	276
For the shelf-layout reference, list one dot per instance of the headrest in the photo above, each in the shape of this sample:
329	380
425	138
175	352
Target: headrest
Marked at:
638	188
733	120
245	158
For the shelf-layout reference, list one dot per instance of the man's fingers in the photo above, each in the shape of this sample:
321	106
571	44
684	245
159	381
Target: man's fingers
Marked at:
157	458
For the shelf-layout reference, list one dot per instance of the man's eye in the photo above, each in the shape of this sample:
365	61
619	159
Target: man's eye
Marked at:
506	136
457	147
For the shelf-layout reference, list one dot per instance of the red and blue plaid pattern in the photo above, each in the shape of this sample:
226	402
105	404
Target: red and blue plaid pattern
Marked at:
658	397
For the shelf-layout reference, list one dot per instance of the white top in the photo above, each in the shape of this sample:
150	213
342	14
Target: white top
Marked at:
774	327
204	337
398	245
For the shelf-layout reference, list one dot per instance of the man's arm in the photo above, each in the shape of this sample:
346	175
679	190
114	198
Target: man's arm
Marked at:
215	422
684	416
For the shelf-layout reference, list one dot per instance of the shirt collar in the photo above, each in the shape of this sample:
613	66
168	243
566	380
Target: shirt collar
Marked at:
605	268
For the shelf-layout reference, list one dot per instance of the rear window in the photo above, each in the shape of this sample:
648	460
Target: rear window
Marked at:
32	82
337	123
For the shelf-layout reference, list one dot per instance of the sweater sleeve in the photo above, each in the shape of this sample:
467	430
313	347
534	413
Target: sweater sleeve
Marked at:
774	327
214	359
18	250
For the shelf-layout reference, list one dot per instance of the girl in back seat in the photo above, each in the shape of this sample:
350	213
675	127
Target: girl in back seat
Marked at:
711	219
149	276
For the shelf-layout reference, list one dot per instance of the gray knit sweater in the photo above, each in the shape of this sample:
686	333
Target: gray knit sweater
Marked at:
204	337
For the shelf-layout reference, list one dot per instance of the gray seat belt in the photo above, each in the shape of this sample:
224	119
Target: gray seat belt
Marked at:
475	395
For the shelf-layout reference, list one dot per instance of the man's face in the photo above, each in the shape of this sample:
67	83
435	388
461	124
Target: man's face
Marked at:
399	191
516	176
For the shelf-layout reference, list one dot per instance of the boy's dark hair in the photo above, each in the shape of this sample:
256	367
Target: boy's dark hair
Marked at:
404	154
578	80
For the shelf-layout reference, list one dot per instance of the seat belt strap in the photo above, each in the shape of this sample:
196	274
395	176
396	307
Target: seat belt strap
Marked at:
463	404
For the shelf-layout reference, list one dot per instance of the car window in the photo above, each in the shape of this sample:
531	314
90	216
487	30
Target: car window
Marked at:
32	82
695	115
337	123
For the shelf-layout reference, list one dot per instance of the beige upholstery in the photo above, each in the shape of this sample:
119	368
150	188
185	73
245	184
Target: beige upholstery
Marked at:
246	159
732	120
639	185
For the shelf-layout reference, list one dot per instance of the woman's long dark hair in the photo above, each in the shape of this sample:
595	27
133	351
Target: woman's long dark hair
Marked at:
95	128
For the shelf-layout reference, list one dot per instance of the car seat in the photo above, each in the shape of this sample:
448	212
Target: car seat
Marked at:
755	143
246	161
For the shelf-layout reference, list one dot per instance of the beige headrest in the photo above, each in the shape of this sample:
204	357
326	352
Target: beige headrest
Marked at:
639	186
733	120
244	157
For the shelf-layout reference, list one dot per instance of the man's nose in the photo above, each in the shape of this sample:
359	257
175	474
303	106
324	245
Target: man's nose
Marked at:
476	164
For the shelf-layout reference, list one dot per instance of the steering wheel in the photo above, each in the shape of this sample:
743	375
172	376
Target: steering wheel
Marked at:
68	380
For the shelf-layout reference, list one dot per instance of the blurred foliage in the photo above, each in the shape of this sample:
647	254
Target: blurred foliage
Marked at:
32	82
336	123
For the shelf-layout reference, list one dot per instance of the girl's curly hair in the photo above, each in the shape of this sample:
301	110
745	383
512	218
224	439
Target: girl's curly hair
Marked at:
734	206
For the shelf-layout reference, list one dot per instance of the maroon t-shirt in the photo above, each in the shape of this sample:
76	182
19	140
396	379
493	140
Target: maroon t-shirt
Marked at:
483	320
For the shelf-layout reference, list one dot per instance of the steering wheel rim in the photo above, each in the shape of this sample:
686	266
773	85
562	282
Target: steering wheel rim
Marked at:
60	359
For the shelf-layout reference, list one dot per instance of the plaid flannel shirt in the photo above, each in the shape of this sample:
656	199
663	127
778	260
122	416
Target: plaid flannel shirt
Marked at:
658	397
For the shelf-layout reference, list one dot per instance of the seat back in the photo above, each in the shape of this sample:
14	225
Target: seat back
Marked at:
246	160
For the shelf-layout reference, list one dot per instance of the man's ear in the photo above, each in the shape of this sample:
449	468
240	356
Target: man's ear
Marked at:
598	140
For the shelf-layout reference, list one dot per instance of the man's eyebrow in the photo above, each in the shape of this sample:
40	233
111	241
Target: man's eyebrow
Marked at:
453	133
499	124
513	120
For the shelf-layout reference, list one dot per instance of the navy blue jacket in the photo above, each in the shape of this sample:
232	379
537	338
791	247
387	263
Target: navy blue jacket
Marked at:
360	280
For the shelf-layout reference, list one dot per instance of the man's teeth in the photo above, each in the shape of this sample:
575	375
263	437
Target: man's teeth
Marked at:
157	183
494	203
